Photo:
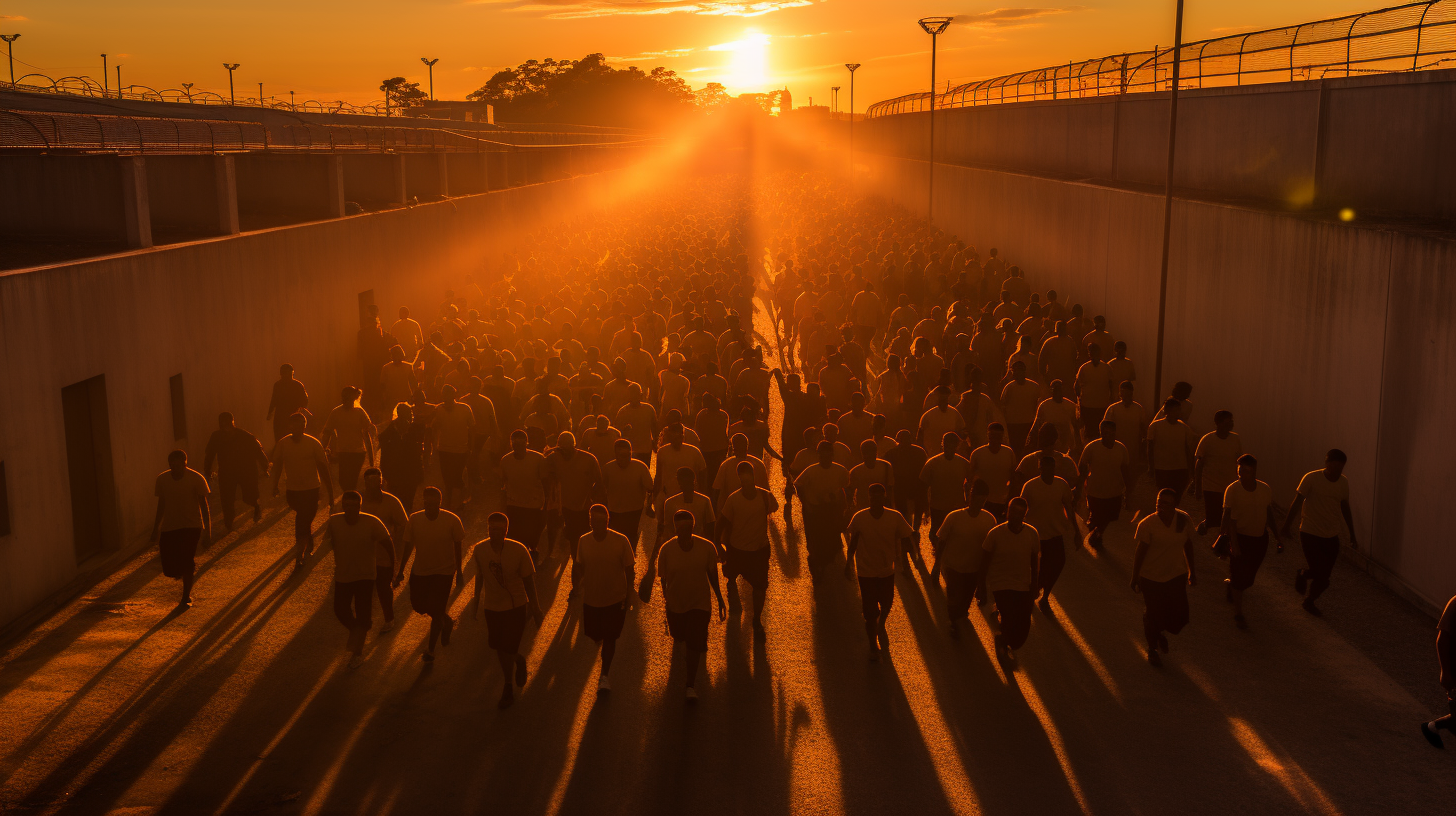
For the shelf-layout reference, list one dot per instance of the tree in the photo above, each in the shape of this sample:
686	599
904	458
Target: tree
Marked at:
401	94
587	91
711	97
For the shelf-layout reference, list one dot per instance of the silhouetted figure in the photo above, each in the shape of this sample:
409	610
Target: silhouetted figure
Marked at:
289	397
1322	503
1162	570
604	577
355	537
687	566
433	536
240	463
505	588
1008	571
183	519
302	459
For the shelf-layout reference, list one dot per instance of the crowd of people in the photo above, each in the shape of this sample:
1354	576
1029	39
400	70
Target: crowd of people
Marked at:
617	377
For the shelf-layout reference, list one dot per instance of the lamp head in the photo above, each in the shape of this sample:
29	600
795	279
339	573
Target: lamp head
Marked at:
935	25
852	66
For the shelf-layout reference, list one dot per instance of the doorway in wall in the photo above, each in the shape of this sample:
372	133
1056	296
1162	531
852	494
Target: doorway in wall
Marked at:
88	460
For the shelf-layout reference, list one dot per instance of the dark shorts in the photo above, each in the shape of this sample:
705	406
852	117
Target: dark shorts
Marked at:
690	627
506	628
876	597
179	551
603	622
1244	559
1102	512
452	468
1166	605
430	594
1213	508
751	564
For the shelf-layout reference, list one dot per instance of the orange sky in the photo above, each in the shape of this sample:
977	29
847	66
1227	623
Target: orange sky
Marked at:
341	49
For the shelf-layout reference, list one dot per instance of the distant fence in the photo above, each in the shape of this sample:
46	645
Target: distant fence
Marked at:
36	130
1412	37
87	86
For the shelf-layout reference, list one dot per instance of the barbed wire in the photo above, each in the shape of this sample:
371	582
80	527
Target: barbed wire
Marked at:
89	87
1413	37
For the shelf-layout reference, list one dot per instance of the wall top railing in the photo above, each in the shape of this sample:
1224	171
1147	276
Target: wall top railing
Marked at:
48	130
1413	37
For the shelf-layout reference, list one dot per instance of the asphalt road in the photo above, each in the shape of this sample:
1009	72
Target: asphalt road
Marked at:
244	704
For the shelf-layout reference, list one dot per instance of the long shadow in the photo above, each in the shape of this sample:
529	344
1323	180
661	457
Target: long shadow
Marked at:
884	762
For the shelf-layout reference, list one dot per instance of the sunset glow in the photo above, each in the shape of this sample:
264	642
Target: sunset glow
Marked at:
747	67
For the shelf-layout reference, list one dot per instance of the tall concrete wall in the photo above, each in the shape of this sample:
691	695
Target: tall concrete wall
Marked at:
224	313
1314	332
1378	144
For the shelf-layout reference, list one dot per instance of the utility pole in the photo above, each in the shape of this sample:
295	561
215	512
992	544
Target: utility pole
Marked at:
430	63
1168	203
834	100
292	105
118	82
260	95
933	26
852	66
105	91
10	52
231	66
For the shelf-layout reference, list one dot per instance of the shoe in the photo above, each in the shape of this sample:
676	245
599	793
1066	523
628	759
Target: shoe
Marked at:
1431	736
874	654
185	603
506	701
1003	654
1228	590
884	639
388	626
604	685
1045	605
692	695
1240	622
446	630
1312	609
1162	643
520	670
356	661
257	513
428	657
1279	546
1153	658
1301	582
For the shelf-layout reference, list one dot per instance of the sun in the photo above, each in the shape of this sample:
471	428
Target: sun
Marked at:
747	68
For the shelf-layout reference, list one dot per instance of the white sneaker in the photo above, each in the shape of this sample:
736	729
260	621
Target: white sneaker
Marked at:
604	684
692	694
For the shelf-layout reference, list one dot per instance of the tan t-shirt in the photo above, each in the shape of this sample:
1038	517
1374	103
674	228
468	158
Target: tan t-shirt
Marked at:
880	541
1248	508
352	429
685	574
390	511
994	468
181	499
961	536
575	477
1171	442
701	507
354	546
670	459
725	480
453	422
1044	502
524	479
1220	459
1104	469
1011	557
1321	516
503	574
627	487
862	476
434	542
603	568
1165	559
749	518
300	459
821	485
945	478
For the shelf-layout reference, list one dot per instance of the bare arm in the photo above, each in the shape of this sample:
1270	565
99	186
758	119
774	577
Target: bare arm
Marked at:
206	517
1293	512
849	556
1137	563
1188	556
157	523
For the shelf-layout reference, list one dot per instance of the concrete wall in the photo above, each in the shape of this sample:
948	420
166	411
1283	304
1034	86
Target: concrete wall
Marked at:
1314	332
1378	144
223	312
81	198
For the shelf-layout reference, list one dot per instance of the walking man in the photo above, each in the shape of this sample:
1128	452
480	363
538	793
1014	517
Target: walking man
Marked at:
183	518
240	461
434	535
387	508
744	536
505	587
1248	515
958	552
687	566
605	572
1106	470
1162	570
301	458
355	537
1051	511
878	536
1323	500
1008	570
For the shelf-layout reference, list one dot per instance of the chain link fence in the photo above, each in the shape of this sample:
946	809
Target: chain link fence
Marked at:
1413	37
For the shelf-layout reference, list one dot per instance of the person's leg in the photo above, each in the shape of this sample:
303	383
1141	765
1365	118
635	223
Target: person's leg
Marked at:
343	607
227	491
350	466
1212	510
189	564
1049	568
507	661
694	655
609	650
870	608
363	602
248	488
1151	628
383	588
1321	554
886	603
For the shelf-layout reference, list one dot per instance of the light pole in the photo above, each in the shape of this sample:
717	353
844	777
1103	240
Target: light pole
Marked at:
933	26
187	88
292	105
10	52
118	81
430	63
1168	202
260	95
231	66
105	90
835	99
852	66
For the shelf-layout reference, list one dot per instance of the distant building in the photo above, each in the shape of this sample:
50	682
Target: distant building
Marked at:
459	110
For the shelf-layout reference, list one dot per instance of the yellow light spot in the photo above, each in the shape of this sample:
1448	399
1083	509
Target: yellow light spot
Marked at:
1347	214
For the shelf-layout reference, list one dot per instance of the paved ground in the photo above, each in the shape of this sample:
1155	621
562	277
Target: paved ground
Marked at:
244	704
